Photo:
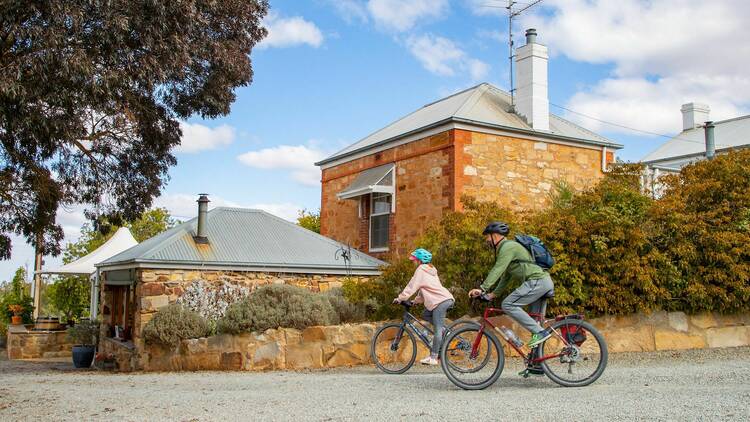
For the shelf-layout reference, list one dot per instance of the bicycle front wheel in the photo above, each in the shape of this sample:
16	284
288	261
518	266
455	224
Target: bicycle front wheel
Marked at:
471	358
577	361
393	349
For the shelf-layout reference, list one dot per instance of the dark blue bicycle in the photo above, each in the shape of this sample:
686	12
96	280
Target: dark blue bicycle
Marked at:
394	346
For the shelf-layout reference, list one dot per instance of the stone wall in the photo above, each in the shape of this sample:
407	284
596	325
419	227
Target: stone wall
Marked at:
285	348
519	173
348	345
27	344
124	353
433	173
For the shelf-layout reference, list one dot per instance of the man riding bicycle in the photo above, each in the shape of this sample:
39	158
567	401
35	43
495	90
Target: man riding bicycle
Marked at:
514	263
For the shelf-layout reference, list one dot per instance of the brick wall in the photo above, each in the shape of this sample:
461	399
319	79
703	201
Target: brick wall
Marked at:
433	173
423	193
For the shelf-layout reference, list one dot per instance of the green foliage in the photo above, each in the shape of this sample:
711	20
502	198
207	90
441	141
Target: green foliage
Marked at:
69	297
17	293
3	329
92	95
309	220
702	223
618	251
275	306
85	333
174	323
605	260
343	310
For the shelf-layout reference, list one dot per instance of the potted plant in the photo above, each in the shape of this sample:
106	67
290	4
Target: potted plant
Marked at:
17	310
84	337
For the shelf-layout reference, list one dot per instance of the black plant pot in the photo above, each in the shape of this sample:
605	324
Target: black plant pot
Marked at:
83	356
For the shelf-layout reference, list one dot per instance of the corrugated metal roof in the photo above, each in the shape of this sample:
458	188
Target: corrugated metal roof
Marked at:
730	133
245	238
366	180
483	104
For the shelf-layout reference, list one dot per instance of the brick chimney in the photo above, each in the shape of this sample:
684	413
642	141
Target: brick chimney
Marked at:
532	101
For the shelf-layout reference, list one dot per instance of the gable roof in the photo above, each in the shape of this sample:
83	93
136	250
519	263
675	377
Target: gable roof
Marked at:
246	239
481	105
731	133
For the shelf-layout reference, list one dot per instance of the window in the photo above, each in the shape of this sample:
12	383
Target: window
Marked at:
380	215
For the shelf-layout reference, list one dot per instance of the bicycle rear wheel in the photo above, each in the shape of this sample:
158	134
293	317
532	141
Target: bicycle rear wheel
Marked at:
579	362
393	349
468	367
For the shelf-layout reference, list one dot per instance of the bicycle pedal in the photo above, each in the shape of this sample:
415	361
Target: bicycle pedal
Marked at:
524	373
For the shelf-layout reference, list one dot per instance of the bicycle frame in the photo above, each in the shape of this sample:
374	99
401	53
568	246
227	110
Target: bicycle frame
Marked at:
409	321
489	312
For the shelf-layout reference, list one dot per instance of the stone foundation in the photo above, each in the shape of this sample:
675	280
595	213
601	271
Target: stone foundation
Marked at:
349	345
26	344
124	353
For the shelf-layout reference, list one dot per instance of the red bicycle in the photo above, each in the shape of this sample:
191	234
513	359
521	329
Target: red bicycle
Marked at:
574	356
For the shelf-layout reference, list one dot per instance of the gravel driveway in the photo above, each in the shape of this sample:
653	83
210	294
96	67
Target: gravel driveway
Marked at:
690	385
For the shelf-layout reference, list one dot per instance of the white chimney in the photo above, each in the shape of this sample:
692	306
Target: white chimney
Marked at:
531	82
694	115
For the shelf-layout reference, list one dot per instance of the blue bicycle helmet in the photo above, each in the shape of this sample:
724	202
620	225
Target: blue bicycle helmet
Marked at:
422	255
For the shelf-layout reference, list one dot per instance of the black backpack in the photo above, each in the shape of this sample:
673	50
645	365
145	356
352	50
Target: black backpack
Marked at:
540	255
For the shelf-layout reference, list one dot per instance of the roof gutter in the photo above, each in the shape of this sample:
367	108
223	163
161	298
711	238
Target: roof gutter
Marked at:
237	266
472	123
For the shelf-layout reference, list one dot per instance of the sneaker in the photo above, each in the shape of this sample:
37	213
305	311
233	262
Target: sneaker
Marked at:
531	370
429	360
538	338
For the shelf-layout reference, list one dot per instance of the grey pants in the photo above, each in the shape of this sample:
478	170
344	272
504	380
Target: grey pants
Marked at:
437	317
532	293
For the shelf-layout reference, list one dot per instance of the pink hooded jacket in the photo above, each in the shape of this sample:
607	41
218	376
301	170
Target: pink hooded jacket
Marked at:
426	282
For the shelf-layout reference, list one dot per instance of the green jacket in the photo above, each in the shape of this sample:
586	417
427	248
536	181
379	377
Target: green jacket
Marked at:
513	263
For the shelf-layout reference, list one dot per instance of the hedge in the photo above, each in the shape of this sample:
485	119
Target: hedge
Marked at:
618	250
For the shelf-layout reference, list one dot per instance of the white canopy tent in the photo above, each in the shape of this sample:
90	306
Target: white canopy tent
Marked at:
86	265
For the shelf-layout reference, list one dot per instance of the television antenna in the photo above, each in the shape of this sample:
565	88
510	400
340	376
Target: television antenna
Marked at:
512	14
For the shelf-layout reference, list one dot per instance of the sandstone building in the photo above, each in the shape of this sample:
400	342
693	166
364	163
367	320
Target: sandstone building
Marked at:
223	246
380	193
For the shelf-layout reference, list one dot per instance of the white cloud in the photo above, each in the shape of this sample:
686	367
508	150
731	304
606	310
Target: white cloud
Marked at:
488	7
654	105
299	159
184	207
443	57
403	15
350	10
664	52
197	137
290	32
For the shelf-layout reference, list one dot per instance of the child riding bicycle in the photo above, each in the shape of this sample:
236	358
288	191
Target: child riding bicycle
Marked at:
436	298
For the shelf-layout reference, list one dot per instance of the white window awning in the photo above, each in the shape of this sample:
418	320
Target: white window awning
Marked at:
375	180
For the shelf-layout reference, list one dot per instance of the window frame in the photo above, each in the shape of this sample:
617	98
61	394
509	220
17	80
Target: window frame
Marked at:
373	214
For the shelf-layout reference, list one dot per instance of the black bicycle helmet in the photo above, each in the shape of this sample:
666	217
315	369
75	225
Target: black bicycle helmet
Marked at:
497	227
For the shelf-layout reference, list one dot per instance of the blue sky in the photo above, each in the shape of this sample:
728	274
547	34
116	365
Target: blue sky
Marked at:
333	71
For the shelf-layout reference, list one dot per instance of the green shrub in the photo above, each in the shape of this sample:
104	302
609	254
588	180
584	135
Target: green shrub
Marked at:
704	229
3	329
344	311
85	333
275	306
173	324
618	250
69	297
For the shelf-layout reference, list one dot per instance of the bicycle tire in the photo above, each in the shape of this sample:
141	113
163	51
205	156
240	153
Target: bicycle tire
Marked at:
446	344
405	334
557	378
492	342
